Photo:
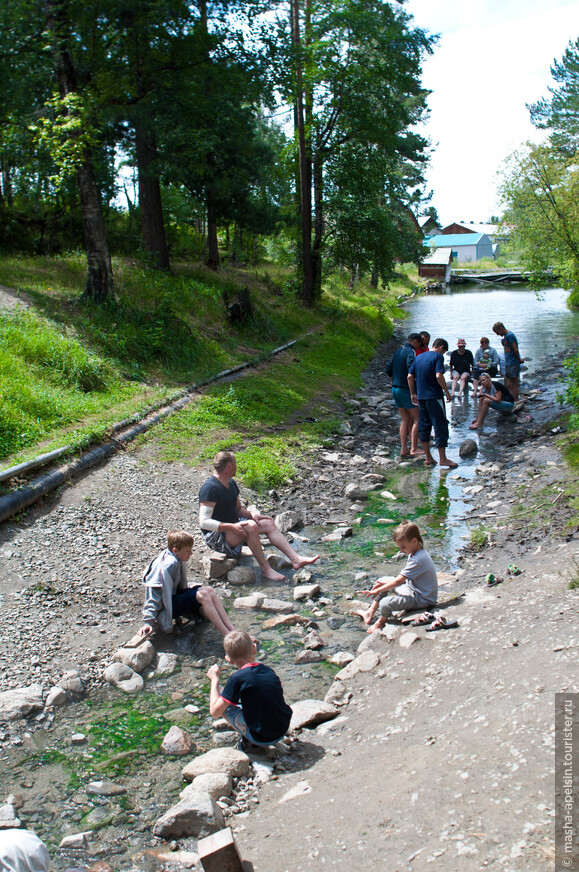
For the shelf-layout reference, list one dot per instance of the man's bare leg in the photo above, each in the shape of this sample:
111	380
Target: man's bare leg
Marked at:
213	610
513	385
404	430
414	449
463	381
444	460
428	458
279	541
254	544
379	625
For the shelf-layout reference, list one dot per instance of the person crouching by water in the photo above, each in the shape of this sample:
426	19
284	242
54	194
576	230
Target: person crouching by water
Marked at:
415	588
492	395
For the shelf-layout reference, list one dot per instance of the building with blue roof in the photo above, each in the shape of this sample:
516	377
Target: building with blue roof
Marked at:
466	247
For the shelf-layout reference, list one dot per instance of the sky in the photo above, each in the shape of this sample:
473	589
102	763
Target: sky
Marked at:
493	57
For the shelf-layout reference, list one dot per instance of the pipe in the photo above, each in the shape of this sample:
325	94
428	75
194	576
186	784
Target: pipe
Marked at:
25	496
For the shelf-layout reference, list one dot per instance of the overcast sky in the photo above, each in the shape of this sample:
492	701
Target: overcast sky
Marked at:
493	57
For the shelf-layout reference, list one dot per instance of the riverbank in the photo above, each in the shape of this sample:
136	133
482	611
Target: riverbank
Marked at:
94	541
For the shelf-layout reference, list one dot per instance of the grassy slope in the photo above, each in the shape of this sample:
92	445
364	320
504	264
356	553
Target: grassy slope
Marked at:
69	370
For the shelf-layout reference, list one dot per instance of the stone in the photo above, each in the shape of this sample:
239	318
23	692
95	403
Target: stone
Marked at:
166	663
341	658
273	605
388	495
242	575
308	657
247	603
364	662
123	677
20	702
105	788
338	534
177	743
278	561
8	819
313	641
303	575
353	491
76	840
71	682
306	591
310	712
196	815
289	520
285	621
136	658
78	739
408	639
468	448
225	738
56	696
229	760
338	694
219	853
217	565
216	784
376	640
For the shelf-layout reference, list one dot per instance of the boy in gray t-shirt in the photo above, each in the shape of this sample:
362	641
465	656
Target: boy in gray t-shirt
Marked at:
415	588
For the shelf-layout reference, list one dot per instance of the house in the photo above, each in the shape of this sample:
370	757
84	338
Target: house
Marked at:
430	227
437	265
491	230
466	247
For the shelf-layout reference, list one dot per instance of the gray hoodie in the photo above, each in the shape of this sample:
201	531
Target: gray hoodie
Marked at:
164	576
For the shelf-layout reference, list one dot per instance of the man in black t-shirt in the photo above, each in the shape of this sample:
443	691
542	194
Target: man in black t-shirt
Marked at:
226	525
461	364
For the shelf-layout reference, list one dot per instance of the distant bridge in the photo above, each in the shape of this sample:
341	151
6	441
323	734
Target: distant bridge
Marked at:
493	277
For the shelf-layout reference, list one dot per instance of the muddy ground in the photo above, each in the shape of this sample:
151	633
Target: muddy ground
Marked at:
444	754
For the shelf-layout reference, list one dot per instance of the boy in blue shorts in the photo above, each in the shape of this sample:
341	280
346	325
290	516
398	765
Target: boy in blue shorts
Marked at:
397	368
252	699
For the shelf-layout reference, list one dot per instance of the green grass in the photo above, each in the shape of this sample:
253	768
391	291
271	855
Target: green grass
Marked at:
479	538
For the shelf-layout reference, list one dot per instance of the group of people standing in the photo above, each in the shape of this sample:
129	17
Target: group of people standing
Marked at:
419	387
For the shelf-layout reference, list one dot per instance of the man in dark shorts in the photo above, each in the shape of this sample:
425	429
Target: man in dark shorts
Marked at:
513	359
461	364
427	387
397	368
226	525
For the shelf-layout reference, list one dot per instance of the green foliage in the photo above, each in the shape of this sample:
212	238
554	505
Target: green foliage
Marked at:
68	133
266	465
479	538
559	113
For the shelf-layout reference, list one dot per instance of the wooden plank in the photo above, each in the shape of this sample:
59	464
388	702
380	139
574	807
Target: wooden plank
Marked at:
218	853
135	641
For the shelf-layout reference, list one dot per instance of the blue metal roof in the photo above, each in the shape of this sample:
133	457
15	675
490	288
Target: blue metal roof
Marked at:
454	240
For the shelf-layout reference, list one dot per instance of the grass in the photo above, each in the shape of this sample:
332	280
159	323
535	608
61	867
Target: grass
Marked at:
479	538
68	370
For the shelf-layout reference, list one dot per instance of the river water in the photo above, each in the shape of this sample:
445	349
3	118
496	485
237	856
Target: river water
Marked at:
123	734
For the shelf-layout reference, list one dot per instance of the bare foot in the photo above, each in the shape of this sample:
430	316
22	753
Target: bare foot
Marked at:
418	452
475	426
365	615
273	576
431	462
379	625
405	453
450	464
305	561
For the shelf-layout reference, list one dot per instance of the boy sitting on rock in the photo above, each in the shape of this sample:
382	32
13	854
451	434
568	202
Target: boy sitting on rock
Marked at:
252	699
167	595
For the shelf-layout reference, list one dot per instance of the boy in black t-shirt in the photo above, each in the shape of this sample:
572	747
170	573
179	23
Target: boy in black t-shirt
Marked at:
252	699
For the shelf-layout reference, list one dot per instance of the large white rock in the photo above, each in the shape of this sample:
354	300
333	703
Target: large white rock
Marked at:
177	742
278	561
71	682
278	606
123	677
197	815
289	520
247	603
285	621
166	663
56	696
137	658
341	658
241	575
216	784
364	662
306	591
228	760
20	702
309	712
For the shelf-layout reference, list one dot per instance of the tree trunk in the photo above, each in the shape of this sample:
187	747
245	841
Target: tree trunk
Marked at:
318	222
213	249
304	166
151	207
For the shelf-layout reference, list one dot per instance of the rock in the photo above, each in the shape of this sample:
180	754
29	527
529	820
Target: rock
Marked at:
20	702
123	677
289	520
376	640
353	491
338	534
78	739
166	663
247	603
216	784
374	477
225	738
56	696
272	605
8	819
338	694
278	561
76	840
310	712
341	658
285	621
308	657
242	575
217	565
71	682
178	716
136	658
177	742
408	639
468	448
197	815
388	495
306	591
364	662
229	760
313	641
105	788
303	575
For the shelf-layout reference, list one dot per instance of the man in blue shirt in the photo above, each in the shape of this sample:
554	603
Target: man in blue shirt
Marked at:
397	368
427	388
513	359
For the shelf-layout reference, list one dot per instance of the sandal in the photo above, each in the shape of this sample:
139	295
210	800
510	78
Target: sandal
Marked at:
513	570
493	580
441	623
424	618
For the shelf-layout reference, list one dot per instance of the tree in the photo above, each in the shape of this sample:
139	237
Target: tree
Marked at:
559	113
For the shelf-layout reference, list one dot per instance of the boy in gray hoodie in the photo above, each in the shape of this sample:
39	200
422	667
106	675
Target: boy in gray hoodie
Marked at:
167	595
